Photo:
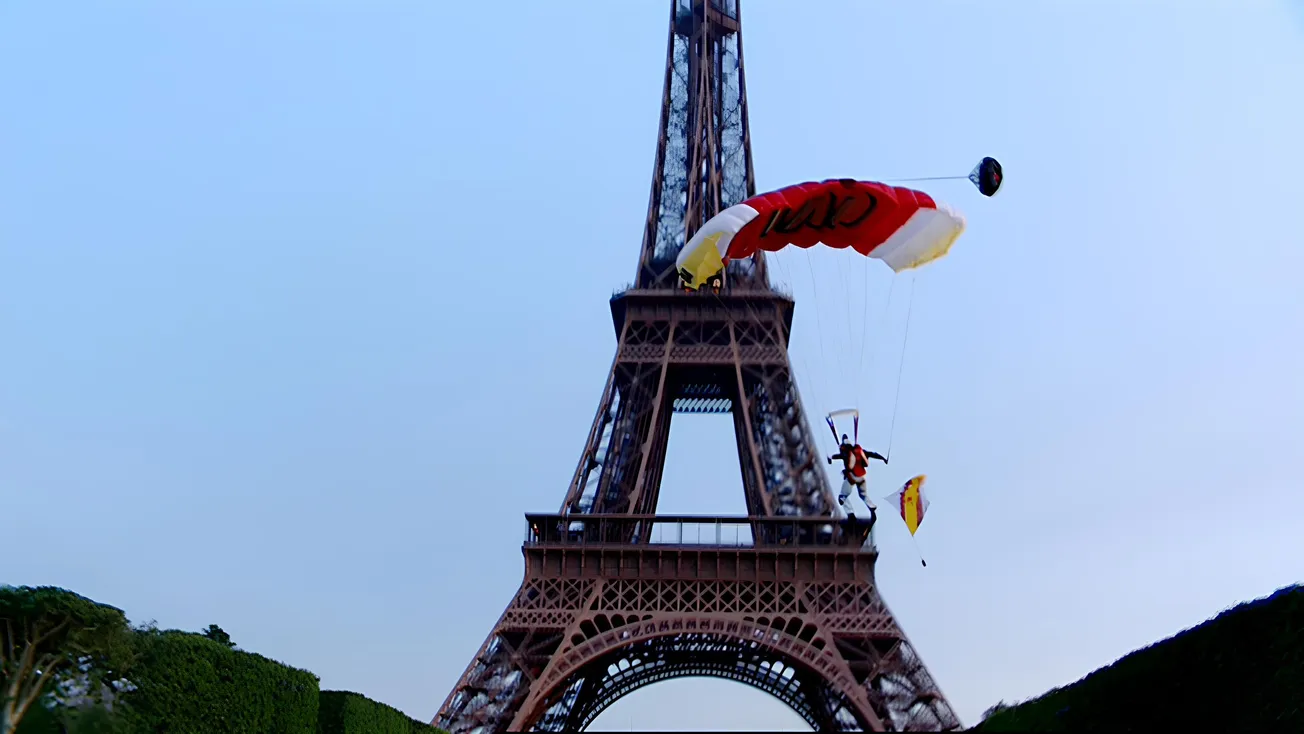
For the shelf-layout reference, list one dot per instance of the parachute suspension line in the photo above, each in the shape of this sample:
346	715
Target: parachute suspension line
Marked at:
891	433
926	178
873	353
791	374
864	335
774	258
819	323
805	366
850	345
987	176
864	319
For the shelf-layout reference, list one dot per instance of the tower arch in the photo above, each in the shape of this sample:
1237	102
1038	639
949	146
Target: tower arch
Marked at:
804	674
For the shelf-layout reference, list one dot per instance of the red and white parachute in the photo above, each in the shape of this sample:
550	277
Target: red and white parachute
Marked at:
902	227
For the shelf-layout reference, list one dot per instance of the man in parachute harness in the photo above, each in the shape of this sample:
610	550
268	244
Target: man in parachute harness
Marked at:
855	472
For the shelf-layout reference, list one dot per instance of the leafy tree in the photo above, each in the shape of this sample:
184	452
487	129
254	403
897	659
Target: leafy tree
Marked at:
1240	671
51	638
995	708
184	682
218	635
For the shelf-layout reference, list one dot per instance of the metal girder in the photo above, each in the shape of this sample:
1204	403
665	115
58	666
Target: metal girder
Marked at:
725	353
704	152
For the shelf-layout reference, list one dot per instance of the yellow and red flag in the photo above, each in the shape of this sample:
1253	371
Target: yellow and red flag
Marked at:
911	502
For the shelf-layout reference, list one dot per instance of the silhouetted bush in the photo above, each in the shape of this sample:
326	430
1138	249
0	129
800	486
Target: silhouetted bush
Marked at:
342	712
1241	671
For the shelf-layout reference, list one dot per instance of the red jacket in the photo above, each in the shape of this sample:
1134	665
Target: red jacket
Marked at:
860	463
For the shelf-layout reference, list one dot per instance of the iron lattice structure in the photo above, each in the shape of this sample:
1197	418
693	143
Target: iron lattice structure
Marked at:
616	597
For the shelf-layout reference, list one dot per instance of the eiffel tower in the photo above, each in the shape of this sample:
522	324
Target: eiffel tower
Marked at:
616	597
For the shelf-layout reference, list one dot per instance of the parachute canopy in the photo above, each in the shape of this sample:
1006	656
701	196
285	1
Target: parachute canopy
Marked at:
902	227
987	176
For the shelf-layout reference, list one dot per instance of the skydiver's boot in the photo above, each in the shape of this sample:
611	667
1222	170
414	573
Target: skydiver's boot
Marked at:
842	499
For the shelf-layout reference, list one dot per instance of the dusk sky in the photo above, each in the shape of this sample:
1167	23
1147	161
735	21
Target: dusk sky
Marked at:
303	305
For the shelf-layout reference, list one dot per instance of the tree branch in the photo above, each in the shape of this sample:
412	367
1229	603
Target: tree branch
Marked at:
47	660
34	693
7	721
10	697
15	683
25	662
7	654
53	631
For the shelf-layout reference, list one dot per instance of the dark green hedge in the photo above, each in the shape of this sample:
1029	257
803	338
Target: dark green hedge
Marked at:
342	712
1241	671
188	684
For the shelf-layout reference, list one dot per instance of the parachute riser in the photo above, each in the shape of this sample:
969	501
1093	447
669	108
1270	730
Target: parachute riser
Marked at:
855	424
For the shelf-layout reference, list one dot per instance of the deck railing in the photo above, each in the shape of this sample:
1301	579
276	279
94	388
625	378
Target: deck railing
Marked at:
695	530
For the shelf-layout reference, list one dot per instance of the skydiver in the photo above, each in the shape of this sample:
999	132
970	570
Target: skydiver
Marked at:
855	471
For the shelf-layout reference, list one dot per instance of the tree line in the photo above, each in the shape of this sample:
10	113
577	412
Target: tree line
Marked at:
71	665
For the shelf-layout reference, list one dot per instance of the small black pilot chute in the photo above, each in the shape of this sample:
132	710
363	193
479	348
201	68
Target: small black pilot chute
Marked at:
987	176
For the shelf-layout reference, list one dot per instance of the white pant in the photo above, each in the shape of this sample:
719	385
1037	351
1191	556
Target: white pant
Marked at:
861	486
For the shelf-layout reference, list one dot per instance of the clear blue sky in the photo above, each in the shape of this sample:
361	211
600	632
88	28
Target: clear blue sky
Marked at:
276	280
